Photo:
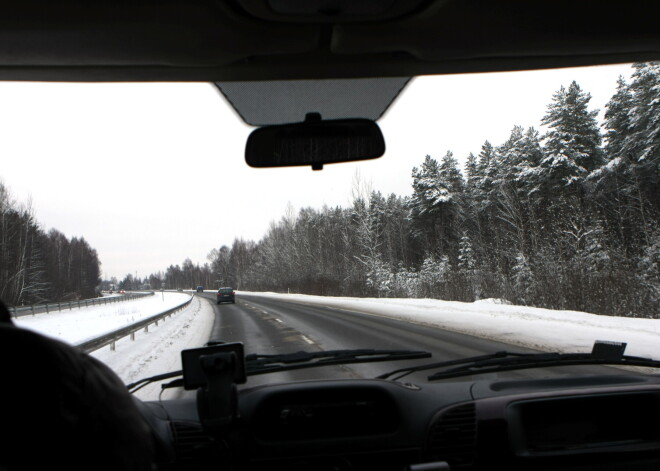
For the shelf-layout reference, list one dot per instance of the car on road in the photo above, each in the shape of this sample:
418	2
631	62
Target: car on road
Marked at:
226	295
200	289
383	299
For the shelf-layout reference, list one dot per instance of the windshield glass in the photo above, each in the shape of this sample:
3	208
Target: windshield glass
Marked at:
515	211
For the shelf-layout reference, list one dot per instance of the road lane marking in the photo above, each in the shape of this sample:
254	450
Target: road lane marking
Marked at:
311	342
279	320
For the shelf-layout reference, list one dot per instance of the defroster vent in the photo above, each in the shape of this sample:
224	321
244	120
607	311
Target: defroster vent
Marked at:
453	436
191	444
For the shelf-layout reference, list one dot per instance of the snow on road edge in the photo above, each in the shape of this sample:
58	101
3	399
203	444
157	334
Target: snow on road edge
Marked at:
159	350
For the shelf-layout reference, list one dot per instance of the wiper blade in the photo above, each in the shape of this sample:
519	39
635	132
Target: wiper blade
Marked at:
443	364
603	353
257	364
262	364
540	360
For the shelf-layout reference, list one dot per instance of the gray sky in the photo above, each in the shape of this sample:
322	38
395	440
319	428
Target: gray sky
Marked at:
151	174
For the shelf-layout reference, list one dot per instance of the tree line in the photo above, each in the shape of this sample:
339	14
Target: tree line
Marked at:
568	219
185	276
38	266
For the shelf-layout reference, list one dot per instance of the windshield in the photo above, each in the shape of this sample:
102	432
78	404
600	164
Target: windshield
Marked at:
511	211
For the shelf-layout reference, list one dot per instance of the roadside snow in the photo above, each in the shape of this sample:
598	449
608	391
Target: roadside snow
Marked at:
159	350
153	352
77	325
541	329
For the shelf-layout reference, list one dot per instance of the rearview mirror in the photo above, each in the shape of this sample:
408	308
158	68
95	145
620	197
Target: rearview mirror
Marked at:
314	142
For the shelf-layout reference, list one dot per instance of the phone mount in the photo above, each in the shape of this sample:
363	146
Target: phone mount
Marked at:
214	371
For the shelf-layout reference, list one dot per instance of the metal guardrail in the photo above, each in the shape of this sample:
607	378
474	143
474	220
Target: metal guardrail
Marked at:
111	337
51	307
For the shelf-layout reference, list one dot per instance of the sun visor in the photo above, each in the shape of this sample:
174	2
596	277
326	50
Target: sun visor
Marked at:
289	101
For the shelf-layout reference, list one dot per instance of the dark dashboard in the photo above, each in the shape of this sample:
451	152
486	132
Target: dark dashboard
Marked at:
597	422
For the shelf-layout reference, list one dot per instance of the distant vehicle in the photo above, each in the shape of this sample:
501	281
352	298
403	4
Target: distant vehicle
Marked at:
200	289
226	295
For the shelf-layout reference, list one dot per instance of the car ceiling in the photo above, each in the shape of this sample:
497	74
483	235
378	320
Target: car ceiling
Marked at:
255	40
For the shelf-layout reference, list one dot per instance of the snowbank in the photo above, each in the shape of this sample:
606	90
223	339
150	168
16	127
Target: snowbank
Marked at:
78	325
159	350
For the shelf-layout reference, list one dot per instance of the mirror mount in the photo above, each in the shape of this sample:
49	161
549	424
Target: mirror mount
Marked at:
314	118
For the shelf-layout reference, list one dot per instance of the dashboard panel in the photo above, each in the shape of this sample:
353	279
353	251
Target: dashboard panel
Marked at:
599	422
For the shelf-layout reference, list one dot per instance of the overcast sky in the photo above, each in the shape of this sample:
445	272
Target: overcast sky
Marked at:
150	174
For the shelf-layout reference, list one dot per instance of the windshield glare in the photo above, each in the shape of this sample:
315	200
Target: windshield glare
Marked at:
511	211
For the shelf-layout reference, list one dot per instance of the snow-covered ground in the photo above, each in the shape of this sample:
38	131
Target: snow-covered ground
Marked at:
77	325
159	350
154	352
541	329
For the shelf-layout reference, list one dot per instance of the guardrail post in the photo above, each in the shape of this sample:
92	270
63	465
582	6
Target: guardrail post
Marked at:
70	307
47	311
59	306
146	328
132	335
32	309
112	346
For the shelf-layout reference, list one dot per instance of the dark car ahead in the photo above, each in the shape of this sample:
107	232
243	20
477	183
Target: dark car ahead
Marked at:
200	289
226	295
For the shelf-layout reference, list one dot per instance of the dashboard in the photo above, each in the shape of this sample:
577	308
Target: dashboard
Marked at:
588	422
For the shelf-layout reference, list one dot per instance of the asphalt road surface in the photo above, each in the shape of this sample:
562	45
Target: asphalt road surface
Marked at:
272	326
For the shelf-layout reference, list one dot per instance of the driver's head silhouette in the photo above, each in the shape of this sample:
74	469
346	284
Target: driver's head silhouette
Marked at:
60	407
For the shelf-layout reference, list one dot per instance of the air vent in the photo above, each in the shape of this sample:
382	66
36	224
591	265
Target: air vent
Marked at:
191	444
453	436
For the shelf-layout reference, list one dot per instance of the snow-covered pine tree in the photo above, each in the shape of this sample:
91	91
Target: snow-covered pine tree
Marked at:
618	120
486	170
572	144
523	280
642	143
626	187
471	174
466	260
436	202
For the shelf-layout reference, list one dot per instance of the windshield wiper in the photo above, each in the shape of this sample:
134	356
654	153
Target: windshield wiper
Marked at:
257	364
603	353
262	364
